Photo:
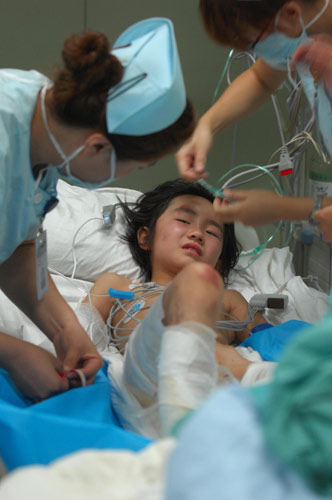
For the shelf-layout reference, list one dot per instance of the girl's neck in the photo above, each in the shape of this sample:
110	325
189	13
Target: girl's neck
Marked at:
162	278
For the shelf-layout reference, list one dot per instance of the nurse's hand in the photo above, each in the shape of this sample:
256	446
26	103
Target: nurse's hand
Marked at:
318	55
36	372
75	349
252	207
324	219
192	156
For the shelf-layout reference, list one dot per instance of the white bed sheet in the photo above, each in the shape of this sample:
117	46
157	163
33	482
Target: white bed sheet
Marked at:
99	250
103	250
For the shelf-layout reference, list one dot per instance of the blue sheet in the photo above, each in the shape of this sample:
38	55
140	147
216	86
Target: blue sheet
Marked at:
221	454
271	341
75	420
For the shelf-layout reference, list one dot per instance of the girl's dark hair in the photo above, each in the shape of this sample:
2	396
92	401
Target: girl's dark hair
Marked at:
150	206
227	21
80	92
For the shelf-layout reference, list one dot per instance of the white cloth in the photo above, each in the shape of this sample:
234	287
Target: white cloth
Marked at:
259	371
272	272
87	475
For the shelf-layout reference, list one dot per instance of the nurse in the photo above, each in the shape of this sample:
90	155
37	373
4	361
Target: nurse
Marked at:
280	33
106	113
273	30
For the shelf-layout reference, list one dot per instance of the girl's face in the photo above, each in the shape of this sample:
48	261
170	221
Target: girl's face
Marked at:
188	230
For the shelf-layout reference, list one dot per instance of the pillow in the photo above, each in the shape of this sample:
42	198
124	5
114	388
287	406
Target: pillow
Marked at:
98	249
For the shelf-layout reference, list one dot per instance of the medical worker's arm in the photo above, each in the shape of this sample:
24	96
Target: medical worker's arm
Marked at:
35	372
318	55
258	207
323	218
246	94
51	314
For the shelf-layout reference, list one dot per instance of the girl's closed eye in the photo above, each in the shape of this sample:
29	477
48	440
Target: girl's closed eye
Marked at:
183	221
214	234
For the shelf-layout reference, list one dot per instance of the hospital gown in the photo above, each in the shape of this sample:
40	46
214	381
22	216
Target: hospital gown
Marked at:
22	201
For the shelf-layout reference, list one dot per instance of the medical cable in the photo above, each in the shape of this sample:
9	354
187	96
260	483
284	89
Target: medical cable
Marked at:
241	174
229	58
145	290
258	250
304	137
74	240
142	292
38	181
294	84
138	295
233	324
85	289
81	376
318	133
278	116
218	191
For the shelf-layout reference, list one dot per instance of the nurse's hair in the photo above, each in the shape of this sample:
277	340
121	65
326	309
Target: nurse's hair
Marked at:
151	205
80	93
226	21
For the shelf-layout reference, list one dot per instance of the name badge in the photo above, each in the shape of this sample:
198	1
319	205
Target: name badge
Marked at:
41	263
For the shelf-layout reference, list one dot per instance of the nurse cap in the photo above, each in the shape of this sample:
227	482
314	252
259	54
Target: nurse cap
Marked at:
151	95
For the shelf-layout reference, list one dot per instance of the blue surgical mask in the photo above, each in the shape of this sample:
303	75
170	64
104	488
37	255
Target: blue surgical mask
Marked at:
320	103
65	164
277	49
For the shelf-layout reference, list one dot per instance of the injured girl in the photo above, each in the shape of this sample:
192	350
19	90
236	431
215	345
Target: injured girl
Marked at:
166	327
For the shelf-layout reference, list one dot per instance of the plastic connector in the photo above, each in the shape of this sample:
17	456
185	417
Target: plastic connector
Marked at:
306	237
285	162
114	293
109	215
262	301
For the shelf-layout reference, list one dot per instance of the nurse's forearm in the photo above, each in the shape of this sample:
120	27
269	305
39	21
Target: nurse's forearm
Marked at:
18	281
8	348
245	95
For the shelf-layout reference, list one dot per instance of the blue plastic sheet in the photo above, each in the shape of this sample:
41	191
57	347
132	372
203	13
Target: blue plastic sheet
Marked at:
78	419
272	340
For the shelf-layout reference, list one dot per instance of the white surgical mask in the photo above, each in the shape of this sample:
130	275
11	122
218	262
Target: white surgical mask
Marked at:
277	49
65	164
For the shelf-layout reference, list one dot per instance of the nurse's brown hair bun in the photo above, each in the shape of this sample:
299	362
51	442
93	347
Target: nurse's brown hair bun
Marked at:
81	86
87	56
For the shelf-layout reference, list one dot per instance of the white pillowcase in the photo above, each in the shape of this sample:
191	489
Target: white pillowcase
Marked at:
98	249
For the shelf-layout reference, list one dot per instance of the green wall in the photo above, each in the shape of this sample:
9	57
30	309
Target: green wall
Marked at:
31	35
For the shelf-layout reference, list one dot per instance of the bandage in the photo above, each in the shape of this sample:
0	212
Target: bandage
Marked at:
188	371
142	354
169	370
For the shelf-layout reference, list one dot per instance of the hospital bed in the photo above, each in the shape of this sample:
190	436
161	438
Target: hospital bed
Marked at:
80	248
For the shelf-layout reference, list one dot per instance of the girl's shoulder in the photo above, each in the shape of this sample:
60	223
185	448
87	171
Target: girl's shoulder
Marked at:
113	280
